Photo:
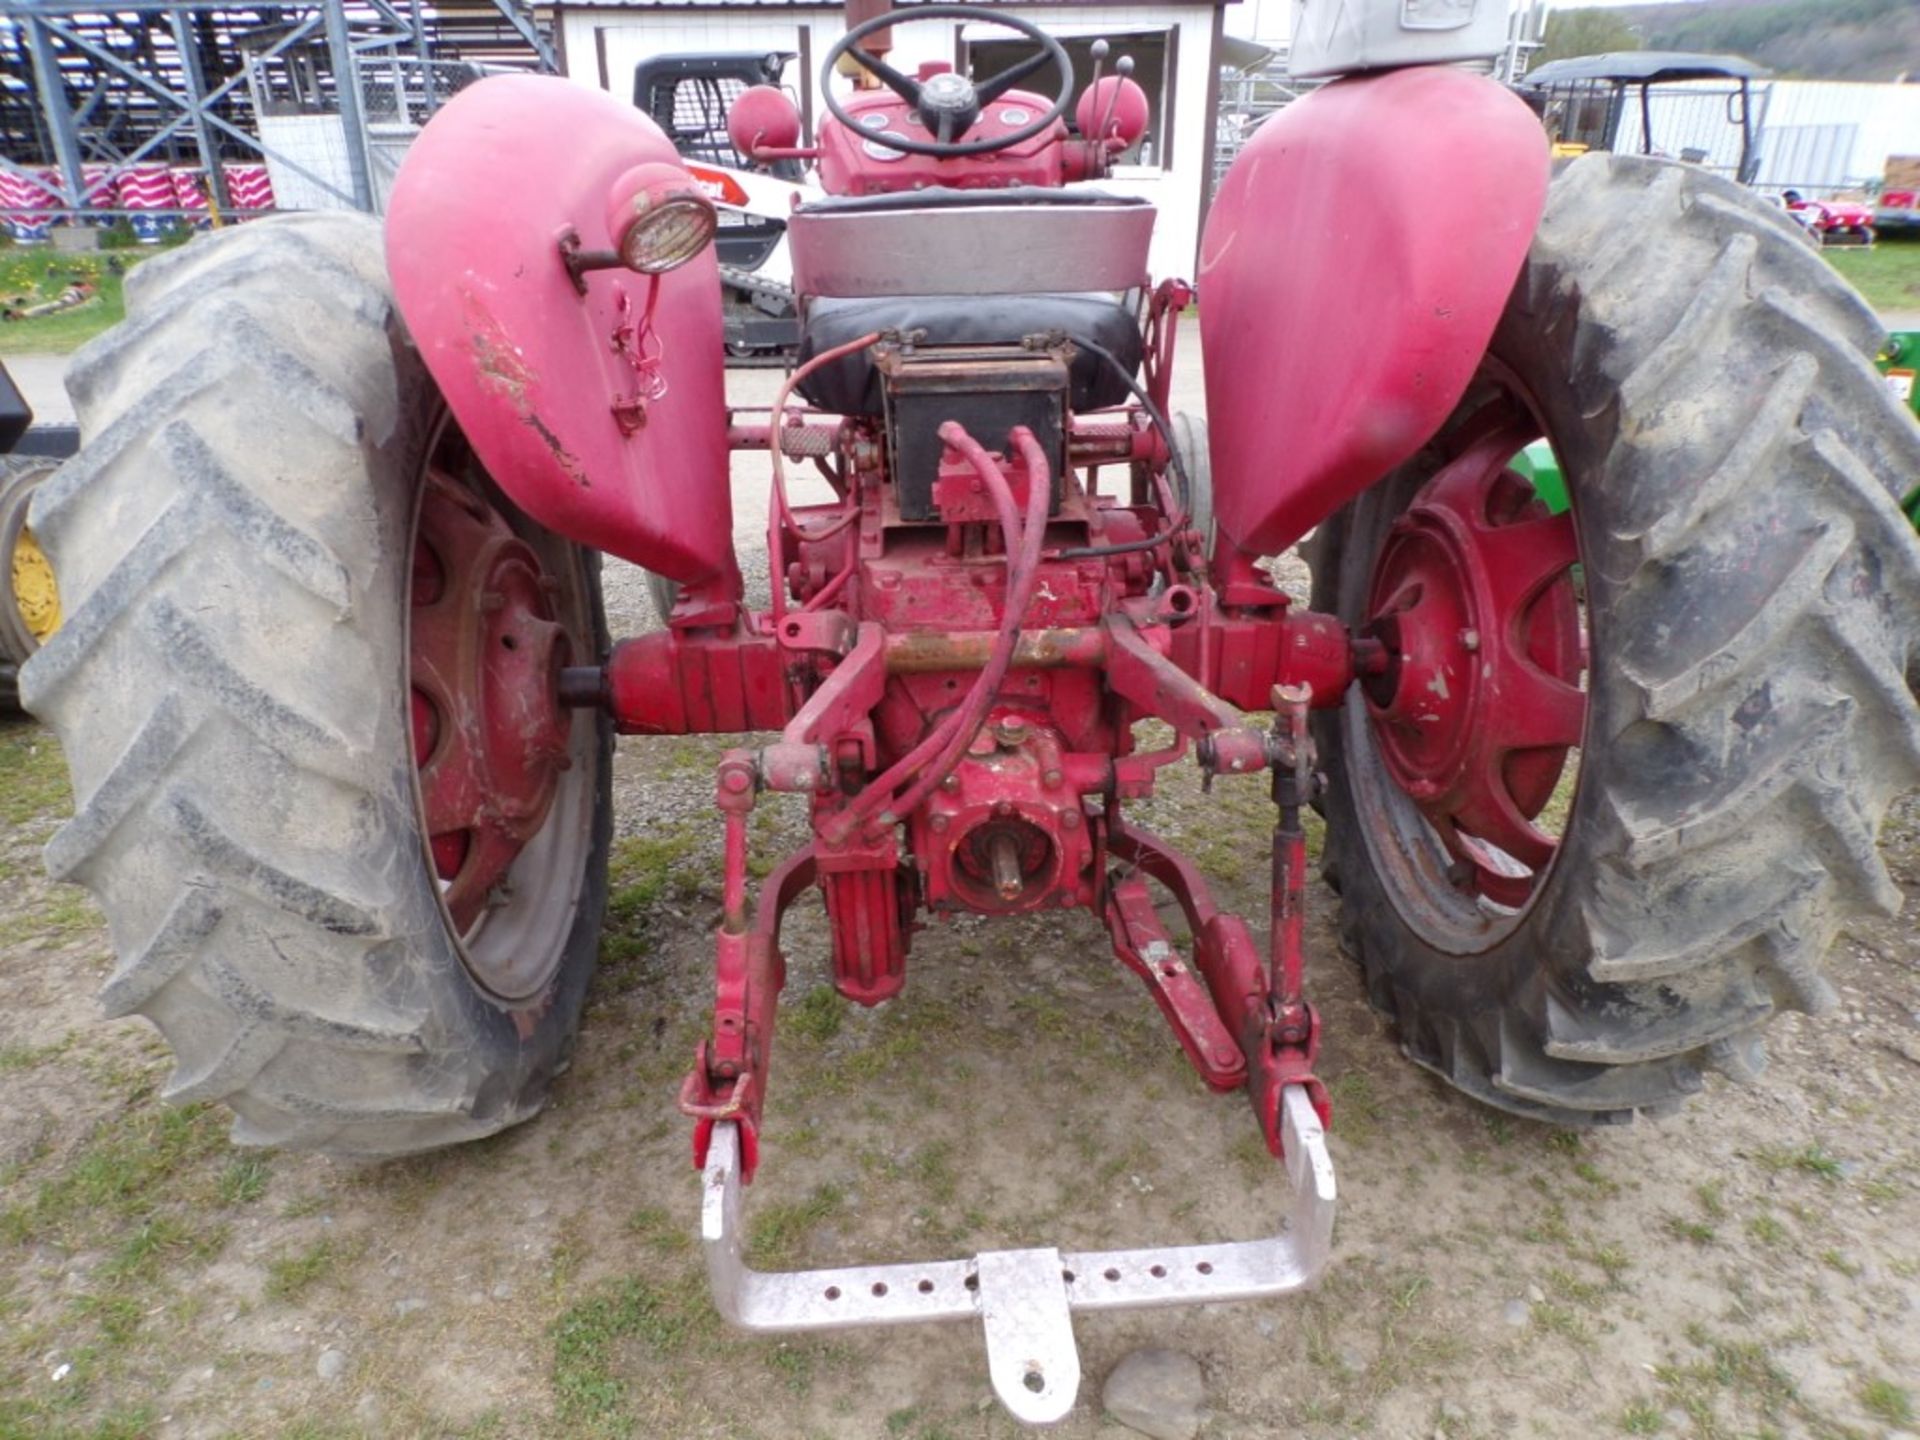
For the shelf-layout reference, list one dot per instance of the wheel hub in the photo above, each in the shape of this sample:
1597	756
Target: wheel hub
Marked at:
489	733
35	594
1480	701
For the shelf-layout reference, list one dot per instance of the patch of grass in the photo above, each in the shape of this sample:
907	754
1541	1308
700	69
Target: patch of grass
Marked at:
1888	275
780	1229
33	772
1356	1107
815	1018
245	1179
655	1229
1887	1402
122	1172
1837	1261
1640	1418
1696	1231
1807	1160
37	274
291	1276
588	1389
645	869
27	1057
1767	1230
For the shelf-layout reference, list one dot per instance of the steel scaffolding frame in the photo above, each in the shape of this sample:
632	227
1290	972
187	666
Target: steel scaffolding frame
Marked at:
83	55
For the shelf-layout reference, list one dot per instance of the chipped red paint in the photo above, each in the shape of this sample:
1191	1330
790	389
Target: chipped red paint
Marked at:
489	732
634	464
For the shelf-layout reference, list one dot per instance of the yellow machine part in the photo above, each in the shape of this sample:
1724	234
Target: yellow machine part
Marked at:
35	593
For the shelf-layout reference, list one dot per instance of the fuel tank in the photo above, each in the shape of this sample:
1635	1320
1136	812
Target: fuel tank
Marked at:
601	414
1353	267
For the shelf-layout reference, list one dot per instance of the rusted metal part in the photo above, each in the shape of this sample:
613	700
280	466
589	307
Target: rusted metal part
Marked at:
485	651
798	441
918	652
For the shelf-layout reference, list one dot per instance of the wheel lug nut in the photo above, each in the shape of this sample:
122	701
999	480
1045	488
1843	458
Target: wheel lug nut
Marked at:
1470	639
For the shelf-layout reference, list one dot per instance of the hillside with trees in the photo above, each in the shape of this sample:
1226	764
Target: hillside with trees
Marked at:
1809	39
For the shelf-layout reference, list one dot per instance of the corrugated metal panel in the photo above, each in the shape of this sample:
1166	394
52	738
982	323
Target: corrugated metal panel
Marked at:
1814	135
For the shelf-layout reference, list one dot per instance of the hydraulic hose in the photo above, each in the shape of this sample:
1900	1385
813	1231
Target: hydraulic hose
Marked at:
935	756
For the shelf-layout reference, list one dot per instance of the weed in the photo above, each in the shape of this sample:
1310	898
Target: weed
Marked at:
1767	1230
36	776
1710	1197
245	1179
120	1172
1835	1260
588	1391
1808	1160
1887	1401
1640	1418
815	1018
1697	1231
780	1229
655	1228
291	1276
1359	1108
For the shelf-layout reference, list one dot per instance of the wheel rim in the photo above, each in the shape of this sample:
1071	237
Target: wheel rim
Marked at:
36	596
1467	732
504	774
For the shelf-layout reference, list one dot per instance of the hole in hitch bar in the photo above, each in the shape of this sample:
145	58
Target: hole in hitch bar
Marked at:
1205	1267
1034	1381
879	1288
1113	1274
1067	1275
1159	1272
833	1292
926	1287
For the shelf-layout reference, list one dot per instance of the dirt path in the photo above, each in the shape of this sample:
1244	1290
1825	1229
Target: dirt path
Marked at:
1750	1267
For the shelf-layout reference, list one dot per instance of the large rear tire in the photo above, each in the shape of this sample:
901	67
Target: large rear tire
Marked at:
235	545
1735	468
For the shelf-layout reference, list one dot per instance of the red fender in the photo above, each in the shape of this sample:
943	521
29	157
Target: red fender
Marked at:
1354	264
629	458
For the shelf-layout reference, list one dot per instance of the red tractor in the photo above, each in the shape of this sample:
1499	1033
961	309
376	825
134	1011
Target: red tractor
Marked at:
1600	787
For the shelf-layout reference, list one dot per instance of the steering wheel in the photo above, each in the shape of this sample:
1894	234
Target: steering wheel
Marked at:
949	103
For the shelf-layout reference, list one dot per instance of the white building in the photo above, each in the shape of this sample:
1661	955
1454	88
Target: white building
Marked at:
1177	47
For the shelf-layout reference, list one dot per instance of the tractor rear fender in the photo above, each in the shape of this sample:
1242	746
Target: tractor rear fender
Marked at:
1353	267
601	415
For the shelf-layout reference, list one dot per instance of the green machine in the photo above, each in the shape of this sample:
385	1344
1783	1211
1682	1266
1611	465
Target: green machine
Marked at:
1899	361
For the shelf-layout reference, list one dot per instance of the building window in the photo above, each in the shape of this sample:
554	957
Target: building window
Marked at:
1153	53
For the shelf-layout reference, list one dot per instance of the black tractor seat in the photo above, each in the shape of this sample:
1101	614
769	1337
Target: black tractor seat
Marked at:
851	384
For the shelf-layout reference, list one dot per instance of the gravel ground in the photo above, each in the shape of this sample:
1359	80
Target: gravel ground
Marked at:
1748	1268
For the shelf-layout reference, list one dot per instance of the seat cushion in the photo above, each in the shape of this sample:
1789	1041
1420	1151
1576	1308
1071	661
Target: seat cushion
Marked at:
851	384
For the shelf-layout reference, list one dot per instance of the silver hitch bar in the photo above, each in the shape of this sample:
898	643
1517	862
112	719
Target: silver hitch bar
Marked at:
1025	1299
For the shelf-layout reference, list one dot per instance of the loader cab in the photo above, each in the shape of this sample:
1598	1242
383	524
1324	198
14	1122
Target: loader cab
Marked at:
689	96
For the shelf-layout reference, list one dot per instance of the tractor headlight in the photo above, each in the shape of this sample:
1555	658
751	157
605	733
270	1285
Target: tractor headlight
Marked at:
659	218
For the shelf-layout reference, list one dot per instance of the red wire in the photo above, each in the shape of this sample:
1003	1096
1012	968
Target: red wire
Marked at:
779	511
